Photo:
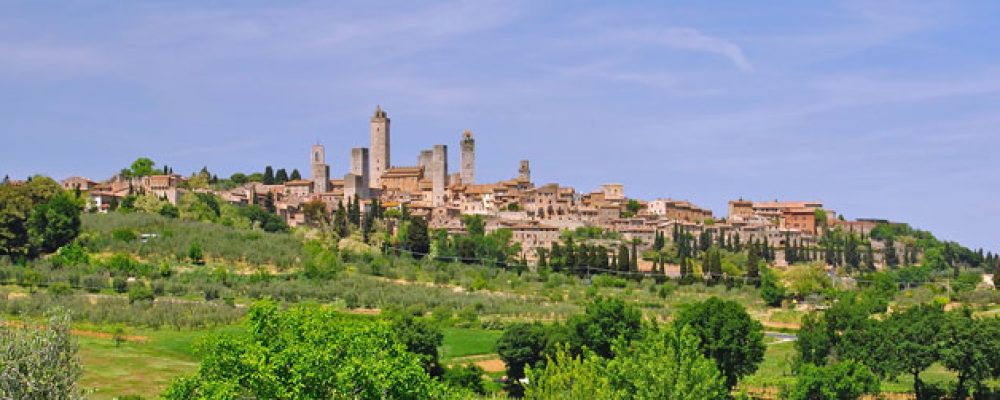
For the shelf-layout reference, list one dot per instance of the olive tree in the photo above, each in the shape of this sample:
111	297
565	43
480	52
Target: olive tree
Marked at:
39	362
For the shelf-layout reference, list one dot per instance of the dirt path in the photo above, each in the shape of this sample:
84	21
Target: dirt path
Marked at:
488	362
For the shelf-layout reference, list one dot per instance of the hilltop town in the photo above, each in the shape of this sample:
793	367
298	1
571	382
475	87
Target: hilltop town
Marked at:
535	213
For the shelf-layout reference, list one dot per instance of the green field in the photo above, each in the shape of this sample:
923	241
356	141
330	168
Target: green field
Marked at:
139	368
459	342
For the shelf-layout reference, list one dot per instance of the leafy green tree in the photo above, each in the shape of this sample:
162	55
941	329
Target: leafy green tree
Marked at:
417	240
17	203
970	347
813	342
421	338
520	346
54	223
139	292
142	167
296	175
771	288
727	334
239	178
468	376
170	211
848	380
916	334
665	364
308	352
195	254
605	321
40	362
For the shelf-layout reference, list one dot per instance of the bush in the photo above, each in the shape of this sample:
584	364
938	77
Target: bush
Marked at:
469	377
119	284
139	292
844	380
60	289
195	254
124	235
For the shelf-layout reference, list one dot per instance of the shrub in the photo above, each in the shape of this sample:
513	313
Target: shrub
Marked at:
119	284
60	289
124	235
469	377
139	292
195	254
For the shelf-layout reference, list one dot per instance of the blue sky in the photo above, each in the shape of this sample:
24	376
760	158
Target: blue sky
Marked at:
878	108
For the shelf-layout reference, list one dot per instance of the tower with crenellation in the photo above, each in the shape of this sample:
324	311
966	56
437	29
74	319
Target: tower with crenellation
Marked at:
468	162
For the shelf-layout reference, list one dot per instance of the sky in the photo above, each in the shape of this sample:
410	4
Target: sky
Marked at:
880	109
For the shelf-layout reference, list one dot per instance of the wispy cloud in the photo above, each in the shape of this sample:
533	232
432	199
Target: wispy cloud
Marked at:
688	39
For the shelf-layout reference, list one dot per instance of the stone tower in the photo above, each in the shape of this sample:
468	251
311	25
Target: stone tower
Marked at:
468	158
524	173
359	167
380	147
320	171
424	160
439	174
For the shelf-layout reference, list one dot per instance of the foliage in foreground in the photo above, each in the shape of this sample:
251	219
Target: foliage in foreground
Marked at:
39	362
307	352
666	364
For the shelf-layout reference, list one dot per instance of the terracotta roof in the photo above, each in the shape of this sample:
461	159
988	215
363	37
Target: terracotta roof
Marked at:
299	182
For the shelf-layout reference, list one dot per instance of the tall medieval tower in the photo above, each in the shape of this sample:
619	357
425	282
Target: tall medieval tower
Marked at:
380	147
524	172
320	171
468	162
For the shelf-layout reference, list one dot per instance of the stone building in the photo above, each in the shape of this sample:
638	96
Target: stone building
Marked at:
359	169
320	170
439	174
468	162
379	147
524	172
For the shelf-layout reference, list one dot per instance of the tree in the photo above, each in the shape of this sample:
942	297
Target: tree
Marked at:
239	178
420	338
142	167
468	376
971	348
813	342
308	352
727	334
418	242
295	175
846	380
16	206
604	322
521	345
666	364
268	175
40	362
170	211
54	223
916	333
771	289
195	254
281	176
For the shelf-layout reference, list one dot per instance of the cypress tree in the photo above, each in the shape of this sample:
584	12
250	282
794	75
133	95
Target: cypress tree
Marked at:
295	175
268	175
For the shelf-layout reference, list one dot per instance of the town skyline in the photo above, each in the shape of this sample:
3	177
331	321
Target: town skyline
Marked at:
851	148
